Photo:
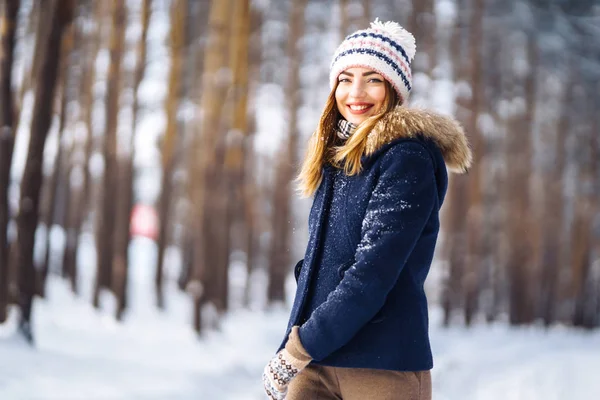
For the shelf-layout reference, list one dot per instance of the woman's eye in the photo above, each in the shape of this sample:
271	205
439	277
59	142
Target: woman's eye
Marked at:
344	80
375	80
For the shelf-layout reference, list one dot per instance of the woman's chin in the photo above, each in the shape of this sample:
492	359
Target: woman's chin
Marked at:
355	119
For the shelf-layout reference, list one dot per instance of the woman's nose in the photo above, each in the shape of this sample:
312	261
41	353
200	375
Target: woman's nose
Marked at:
357	89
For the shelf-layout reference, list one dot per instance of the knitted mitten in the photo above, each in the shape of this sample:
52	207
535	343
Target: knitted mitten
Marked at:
284	367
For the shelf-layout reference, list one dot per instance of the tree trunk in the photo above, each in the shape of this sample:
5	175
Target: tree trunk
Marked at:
82	186
279	257
490	298
8	19
33	29
204	166
520	258
178	27
422	26
581	242
552	228
51	185
475	190
587	199
106	214
125	202
453	246
250	194
213	195
237	136
197	27
344	20
366	19
121	235
251	200
59	13
596	202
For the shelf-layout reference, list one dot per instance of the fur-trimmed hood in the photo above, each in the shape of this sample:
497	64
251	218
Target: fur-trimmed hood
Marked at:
444	131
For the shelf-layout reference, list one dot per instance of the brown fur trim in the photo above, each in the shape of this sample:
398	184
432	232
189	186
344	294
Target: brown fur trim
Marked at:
445	131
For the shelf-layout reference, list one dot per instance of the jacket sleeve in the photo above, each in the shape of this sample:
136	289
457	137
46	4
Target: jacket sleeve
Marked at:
396	215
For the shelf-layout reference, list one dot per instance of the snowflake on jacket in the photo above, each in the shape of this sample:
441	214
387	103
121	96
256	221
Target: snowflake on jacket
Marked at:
360	301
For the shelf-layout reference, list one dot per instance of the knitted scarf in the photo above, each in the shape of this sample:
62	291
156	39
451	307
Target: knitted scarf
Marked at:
345	129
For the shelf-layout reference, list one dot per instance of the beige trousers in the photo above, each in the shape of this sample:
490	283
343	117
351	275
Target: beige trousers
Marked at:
332	383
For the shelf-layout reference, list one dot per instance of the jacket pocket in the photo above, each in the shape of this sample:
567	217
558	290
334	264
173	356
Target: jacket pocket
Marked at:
298	269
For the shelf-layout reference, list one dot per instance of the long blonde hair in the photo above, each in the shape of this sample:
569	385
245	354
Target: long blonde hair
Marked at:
324	146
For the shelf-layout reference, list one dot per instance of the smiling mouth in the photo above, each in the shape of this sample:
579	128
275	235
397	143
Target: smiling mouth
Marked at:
359	108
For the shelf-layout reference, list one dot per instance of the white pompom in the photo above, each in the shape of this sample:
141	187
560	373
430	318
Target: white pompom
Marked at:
399	34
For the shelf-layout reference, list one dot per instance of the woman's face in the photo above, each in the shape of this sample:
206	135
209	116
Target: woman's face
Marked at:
360	94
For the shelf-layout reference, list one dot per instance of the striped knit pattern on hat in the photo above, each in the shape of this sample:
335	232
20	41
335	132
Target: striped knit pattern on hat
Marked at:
385	47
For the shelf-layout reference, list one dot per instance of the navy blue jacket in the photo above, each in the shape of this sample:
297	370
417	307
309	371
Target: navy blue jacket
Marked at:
360	300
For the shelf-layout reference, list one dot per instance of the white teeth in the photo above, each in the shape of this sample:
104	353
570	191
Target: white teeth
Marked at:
358	108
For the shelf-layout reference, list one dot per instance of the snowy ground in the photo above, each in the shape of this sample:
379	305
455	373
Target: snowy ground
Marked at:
499	362
83	354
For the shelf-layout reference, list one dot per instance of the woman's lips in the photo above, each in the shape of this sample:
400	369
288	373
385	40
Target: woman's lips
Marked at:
358	109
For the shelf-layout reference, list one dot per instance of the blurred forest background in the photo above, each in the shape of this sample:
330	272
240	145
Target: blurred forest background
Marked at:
185	121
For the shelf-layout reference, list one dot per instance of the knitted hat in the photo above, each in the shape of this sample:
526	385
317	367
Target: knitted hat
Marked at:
385	47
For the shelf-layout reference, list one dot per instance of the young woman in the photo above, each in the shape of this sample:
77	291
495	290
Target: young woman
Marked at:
359	324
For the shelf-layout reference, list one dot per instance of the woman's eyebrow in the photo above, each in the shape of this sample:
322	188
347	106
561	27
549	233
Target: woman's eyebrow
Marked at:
365	74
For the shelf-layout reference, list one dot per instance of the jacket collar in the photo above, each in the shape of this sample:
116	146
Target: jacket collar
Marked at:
444	131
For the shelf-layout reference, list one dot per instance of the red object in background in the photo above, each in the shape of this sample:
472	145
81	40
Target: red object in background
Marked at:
144	221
